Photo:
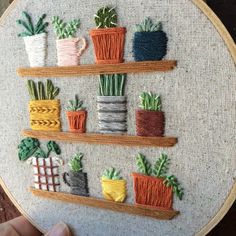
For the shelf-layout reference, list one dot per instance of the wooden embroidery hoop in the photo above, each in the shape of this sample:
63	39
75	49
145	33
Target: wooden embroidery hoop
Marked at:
232	49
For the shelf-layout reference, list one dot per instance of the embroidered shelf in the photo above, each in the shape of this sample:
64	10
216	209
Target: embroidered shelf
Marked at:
105	204
96	69
95	138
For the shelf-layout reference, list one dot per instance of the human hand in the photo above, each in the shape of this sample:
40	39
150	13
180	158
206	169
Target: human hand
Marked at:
22	227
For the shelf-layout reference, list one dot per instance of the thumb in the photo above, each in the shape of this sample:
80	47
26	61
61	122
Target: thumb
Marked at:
60	229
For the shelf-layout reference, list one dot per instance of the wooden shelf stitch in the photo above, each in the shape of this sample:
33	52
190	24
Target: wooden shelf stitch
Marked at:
96	69
109	205
93	138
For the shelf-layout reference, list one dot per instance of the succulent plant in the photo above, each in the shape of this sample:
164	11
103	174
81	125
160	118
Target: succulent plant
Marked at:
75	105
31	30
41	92
150	101
65	30
112	85
148	26
31	147
75	162
160	170
106	17
111	174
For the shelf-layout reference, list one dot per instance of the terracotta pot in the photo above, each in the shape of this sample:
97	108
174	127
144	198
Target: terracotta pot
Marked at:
112	114
114	190
150	123
77	182
108	45
151	191
68	51
77	121
45	115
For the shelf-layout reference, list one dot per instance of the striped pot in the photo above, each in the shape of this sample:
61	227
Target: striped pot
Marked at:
112	114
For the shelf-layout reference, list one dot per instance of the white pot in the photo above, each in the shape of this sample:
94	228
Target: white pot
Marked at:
36	48
46	173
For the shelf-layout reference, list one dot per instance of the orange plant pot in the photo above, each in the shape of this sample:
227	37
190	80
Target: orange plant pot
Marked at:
151	191
77	121
109	45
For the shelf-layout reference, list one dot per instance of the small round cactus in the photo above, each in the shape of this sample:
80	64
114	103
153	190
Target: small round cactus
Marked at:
106	17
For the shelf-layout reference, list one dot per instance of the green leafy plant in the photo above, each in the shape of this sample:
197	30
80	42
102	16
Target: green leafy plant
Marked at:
29	147
160	171
75	162
31	29
106	17
41	91
65	30
148	26
150	101
112	174
75	105
112	85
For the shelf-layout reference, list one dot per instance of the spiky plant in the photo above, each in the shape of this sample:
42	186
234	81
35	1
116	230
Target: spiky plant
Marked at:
112	85
75	162
143	165
106	17
150	101
65	30
30	28
75	105
161	166
112	174
41	91
148	26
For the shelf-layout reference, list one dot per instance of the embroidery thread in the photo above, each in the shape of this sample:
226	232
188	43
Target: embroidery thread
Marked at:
35	38
108	39
44	110
150	41
76	115
113	186
68	53
150	111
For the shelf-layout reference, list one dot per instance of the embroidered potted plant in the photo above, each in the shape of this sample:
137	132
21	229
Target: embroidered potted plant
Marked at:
68	53
45	168
153	187
76	115
77	181
35	38
113	186
44	108
111	104
108	39
150	120
150	42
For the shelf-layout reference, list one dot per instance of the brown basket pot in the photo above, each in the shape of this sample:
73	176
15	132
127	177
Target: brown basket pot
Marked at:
150	123
109	45
151	191
77	121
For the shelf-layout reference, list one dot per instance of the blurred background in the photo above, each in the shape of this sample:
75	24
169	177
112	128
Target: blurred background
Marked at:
226	10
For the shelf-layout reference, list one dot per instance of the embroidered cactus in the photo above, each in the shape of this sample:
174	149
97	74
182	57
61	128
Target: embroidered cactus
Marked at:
65	30
148	26
31	30
112	174
150	101
106	17
112	85
75	105
75	162
41	92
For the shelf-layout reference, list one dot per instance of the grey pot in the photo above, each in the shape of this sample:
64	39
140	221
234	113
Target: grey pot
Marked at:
78	183
112	114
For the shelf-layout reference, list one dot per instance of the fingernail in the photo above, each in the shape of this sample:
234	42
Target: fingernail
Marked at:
60	229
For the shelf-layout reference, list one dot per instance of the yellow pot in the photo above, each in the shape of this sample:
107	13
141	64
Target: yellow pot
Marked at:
45	115
114	190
